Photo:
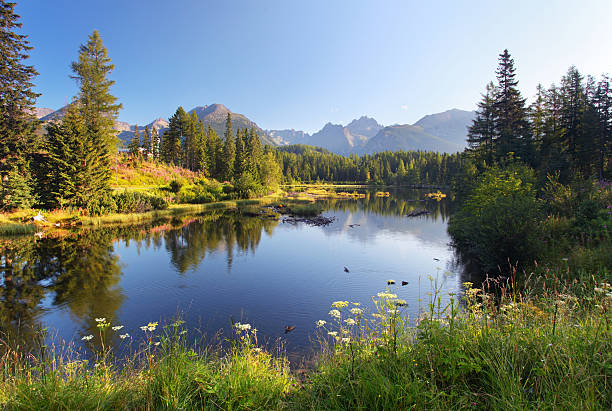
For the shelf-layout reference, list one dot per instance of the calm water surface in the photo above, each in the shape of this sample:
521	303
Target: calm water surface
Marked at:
222	266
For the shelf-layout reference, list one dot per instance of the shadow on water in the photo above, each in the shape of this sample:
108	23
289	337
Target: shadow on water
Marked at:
68	279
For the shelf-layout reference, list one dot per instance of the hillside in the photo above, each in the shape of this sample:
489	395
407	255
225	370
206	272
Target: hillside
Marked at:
450	125
215	116
406	138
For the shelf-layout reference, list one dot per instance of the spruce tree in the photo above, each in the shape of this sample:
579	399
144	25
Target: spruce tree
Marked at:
98	111
511	126
481	136
75	175
602	101
146	142
17	124
229	150
155	143
134	144
240	155
97	105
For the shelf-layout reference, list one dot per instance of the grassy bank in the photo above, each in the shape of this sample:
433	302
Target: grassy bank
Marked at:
508	351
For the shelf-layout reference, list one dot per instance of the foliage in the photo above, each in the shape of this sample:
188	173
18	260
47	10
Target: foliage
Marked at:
17	124
496	224
18	189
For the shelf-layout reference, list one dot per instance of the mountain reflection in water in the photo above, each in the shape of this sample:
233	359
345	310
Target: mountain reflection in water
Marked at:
221	265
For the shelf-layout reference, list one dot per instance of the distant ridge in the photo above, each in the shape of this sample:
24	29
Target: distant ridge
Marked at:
443	132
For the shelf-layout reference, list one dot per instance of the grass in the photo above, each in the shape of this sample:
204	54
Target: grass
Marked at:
502	350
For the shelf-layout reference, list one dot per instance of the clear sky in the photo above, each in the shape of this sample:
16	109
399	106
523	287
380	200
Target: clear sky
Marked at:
299	64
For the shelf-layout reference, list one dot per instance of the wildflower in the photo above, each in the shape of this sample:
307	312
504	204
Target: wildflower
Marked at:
399	303
332	333
356	304
242	327
151	326
356	311
144	328
183	332
156	344
124	336
117	327
340	304
385	295
377	315
335	314
87	337
565	259
257	349
100	320
178	323
346	340
321	323
350	321
96	365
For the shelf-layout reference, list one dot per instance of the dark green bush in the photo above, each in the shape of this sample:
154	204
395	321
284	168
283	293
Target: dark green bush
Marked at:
175	186
134	202
498	221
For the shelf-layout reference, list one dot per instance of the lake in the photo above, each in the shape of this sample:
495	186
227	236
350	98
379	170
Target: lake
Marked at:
222	266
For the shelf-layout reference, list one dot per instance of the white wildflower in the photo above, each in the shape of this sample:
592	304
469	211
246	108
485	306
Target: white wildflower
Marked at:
350	321
124	336
386	295
333	333
335	314
117	327
321	323
356	311
100	320
87	337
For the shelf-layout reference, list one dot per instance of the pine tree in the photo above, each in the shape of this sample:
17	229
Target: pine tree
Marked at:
229	150
602	101
254	152
511	126
98	111
17	125
481	137
172	142
97	106
74	173
215	154
240	155
155	144
134	144
146	142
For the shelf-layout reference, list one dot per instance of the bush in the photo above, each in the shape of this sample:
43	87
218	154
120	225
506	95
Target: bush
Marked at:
498	221
175	186
134	202
248	187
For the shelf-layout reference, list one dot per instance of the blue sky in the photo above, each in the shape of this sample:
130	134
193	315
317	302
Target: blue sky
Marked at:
300	64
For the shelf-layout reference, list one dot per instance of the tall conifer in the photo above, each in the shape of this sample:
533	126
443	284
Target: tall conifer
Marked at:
17	124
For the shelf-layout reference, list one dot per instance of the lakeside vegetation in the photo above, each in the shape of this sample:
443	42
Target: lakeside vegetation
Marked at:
513	350
534	205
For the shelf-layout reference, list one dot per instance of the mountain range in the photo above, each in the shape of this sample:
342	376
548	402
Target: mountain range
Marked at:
443	132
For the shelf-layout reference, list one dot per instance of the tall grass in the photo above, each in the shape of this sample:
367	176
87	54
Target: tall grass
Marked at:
502	350
17	229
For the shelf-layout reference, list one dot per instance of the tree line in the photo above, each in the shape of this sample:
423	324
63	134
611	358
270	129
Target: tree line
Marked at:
566	130
308	164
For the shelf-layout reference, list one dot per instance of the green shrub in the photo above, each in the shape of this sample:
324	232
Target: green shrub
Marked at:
175	186
498	221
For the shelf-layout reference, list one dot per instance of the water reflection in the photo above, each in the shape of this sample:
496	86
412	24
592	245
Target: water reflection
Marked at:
126	274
